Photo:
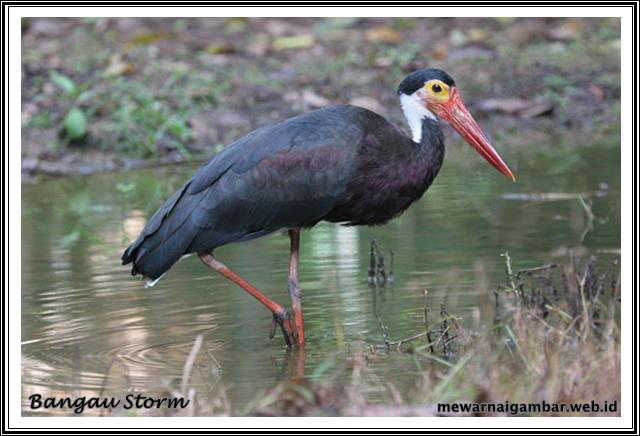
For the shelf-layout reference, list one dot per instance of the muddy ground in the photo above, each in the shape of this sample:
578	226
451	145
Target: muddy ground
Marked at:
115	93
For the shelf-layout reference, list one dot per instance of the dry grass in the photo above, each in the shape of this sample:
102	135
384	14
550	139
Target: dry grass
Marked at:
555	339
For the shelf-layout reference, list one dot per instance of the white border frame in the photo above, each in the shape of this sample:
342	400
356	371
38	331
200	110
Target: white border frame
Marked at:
14	266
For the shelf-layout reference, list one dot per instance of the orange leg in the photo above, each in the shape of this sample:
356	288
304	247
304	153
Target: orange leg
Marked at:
294	289
280	314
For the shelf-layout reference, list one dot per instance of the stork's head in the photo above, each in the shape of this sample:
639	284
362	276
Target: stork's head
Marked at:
432	93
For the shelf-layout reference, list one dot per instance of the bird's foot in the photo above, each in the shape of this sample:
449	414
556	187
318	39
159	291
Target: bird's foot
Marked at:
288	328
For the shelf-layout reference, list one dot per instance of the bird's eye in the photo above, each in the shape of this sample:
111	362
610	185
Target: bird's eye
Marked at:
436	88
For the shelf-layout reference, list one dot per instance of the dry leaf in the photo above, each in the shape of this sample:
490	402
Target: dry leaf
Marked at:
440	52
368	103
383	62
145	38
222	48
293	42
537	109
314	100
118	67
570	29
515	106
383	34
478	35
307	98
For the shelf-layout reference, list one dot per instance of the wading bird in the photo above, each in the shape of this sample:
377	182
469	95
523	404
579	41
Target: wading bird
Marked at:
342	163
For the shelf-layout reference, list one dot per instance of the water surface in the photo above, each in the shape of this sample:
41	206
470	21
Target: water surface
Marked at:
89	328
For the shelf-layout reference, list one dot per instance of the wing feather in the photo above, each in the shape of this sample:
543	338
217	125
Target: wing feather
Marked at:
290	174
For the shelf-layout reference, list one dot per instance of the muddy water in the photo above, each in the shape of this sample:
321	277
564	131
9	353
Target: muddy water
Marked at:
89	328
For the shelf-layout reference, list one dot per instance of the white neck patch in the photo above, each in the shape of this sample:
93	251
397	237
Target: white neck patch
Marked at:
415	112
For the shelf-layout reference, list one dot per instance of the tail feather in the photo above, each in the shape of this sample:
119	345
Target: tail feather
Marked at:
165	237
153	225
154	262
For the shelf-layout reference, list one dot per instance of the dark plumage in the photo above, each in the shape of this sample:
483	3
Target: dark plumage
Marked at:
341	164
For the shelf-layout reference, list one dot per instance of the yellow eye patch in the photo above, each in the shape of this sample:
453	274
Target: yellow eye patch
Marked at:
437	91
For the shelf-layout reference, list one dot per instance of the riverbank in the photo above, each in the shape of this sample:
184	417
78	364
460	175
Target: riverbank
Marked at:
111	94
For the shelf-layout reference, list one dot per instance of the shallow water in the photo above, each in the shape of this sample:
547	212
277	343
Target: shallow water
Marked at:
89	328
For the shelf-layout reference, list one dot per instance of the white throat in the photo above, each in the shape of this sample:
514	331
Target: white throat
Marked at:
415	112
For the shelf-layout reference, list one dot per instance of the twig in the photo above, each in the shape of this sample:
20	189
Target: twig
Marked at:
214	359
507	258
538	269
425	320
590	218
442	334
409	339
445	329
186	371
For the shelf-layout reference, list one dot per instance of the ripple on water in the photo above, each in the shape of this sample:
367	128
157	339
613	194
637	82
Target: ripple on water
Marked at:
86	320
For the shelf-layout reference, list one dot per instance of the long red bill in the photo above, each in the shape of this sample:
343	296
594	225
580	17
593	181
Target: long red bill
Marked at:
457	115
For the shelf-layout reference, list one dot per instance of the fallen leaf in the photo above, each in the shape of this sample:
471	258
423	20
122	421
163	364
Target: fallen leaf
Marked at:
536	110
293	42
478	35
118	67
383	62
307	98
515	106
221	48
441	52
314	100
507	105
145	38
383	34
368	103
570	29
